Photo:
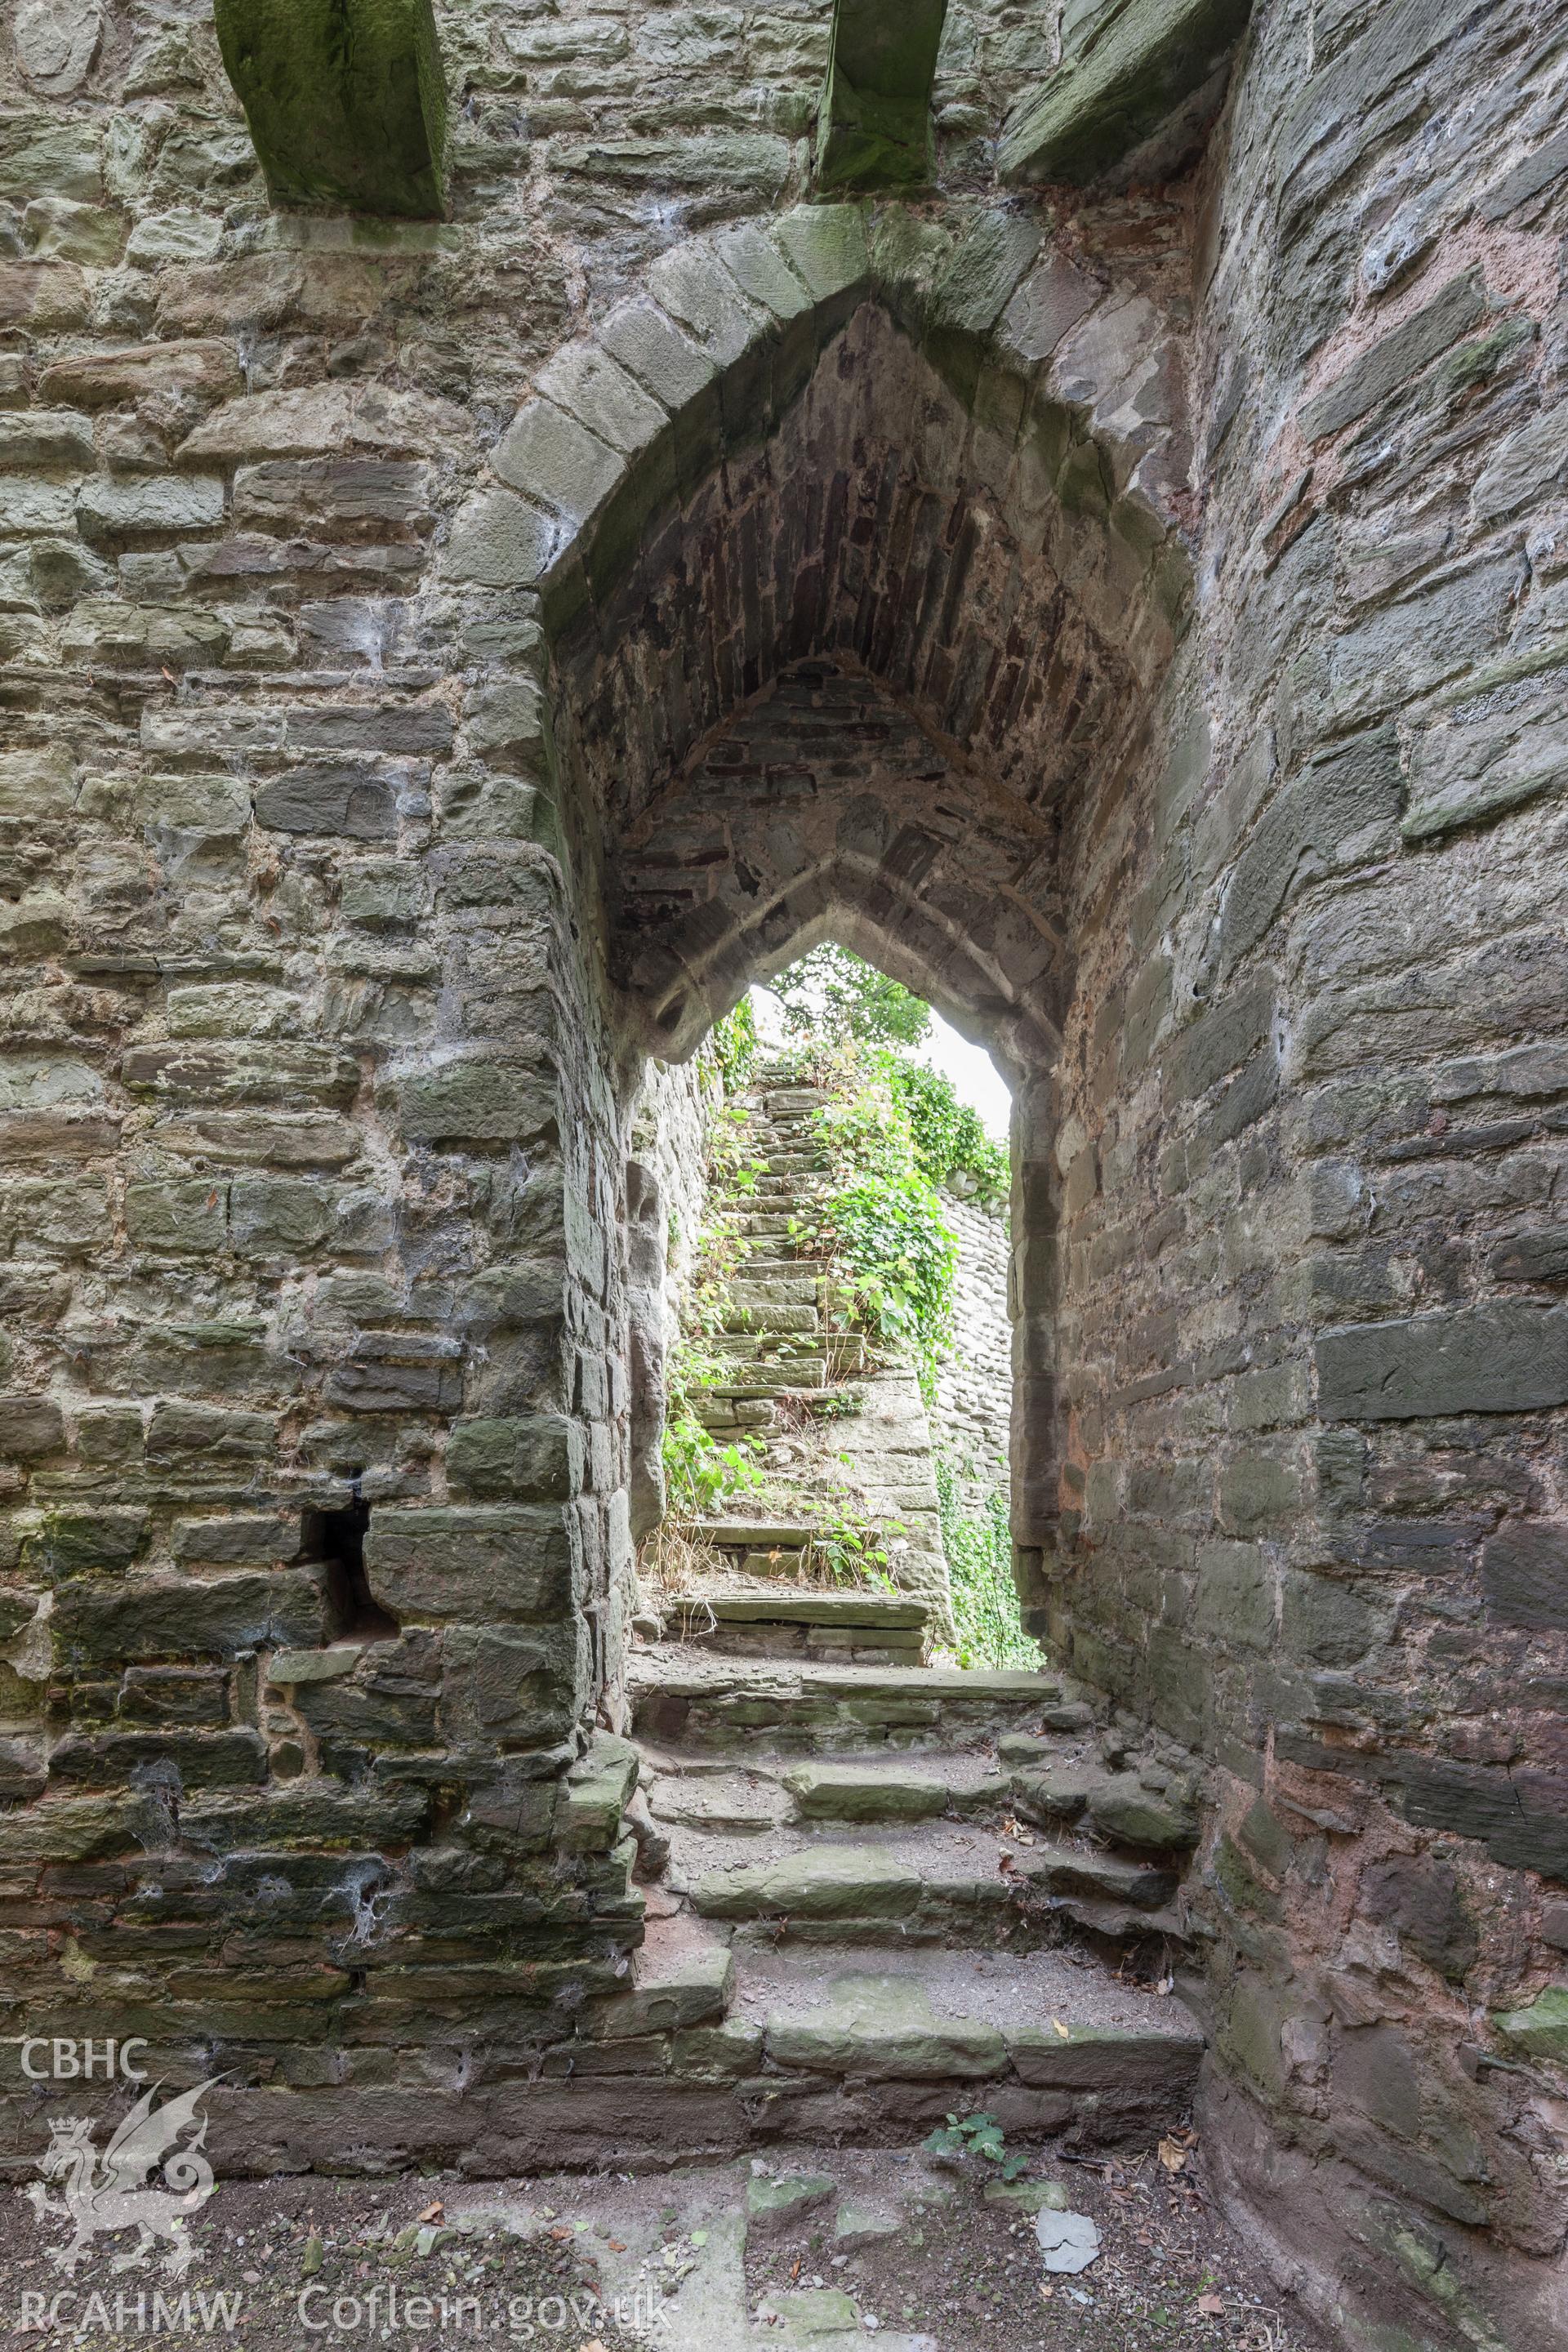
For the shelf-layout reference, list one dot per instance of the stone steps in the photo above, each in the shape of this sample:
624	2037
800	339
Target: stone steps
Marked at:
850	1947
724	1409
748	1535
862	1627
768	1376
899	1882
896	1806
781	1289
762	1316
711	1701
734	2044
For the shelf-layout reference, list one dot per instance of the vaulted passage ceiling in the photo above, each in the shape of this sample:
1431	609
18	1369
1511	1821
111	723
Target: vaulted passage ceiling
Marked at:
824	809
834	692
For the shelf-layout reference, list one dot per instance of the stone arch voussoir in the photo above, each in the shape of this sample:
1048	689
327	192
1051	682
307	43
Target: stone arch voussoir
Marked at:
1074	389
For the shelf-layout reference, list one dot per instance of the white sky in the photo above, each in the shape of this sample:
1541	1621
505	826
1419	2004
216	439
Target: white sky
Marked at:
971	1068
974	1074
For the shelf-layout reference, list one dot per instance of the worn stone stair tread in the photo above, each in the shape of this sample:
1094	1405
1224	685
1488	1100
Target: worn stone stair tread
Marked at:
740	1801
784	1606
689	1694
968	1775
682	1976
1120	1923
833	1882
936	2015
691	1673
861	1792
800	1372
936	1872
756	1535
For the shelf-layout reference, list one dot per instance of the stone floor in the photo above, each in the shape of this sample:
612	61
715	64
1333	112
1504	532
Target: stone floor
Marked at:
802	2251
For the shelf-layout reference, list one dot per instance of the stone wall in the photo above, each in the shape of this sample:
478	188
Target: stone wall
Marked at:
1311	1158
974	1381
666	1186
1136	619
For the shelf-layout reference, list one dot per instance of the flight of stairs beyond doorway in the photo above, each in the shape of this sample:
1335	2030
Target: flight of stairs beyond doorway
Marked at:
877	1890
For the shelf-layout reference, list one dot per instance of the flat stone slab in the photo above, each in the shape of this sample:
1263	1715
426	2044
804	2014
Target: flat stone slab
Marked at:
883	2027
774	2205
1068	2241
1107	2057
688	1986
837	1882
806	1608
1029	2196
863	1793
696	1677
813	2315
739	1802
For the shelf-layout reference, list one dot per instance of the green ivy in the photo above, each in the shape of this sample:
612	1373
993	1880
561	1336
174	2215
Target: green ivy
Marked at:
733	1044
702	1473
990	1632
980	2136
950	1141
878	1217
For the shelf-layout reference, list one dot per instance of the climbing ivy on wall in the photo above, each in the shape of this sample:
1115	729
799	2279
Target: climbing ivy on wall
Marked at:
872	1027
878	1217
988	1630
733	1044
950	1142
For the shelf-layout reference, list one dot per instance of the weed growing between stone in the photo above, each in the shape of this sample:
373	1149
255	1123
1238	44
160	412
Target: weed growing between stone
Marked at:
961	2269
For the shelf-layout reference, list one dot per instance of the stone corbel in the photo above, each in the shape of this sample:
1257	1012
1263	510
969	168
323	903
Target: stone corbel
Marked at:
345	99
1146	75
874	127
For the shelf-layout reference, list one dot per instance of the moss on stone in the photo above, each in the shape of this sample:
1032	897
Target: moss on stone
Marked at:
1541	2030
1096	110
345	99
874	125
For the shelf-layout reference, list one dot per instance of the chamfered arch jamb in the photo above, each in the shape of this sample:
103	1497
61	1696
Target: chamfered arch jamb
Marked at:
707	964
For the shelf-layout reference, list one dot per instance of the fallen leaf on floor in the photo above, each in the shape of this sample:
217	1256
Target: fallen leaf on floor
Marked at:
1212	2305
433	2212
1171	2157
617	2246
1065	2031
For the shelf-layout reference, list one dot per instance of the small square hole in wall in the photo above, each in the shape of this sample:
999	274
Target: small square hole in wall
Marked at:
336	1538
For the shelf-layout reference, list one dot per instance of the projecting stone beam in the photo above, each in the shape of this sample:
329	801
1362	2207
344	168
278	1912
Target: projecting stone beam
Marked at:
345	99
874	128
1122	85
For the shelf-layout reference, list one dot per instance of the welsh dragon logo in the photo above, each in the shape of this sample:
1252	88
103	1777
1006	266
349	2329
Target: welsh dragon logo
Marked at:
109	2192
